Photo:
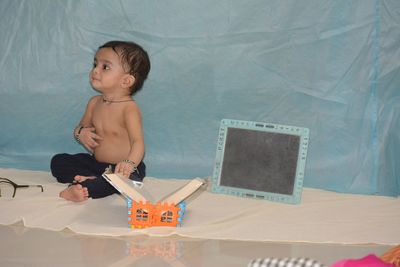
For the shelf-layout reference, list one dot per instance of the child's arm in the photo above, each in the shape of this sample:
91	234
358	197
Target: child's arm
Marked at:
85	133
133	123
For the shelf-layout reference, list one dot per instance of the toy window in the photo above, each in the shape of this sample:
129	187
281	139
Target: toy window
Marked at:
142	215
167	216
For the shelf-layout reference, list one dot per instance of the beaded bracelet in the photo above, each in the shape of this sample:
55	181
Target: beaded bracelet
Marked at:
130	162
77	135
80	129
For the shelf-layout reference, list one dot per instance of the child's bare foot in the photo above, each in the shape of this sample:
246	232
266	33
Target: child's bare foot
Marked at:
81	178
76	193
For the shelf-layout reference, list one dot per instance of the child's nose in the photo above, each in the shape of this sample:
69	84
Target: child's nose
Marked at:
95	70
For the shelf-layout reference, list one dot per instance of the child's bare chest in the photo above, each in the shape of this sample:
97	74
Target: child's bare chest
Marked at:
108	118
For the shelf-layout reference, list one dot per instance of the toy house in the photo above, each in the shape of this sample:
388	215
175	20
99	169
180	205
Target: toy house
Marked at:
143	215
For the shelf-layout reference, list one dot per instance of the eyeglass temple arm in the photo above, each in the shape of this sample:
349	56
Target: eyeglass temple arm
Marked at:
30	185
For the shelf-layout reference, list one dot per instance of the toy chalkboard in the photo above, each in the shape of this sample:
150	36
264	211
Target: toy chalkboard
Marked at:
260	160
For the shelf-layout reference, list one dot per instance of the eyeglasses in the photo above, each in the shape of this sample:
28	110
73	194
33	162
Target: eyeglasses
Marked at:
16	186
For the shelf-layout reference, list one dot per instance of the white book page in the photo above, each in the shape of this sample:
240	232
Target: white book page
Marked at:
128	188
136	191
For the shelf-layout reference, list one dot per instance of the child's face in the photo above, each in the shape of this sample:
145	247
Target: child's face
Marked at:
107	73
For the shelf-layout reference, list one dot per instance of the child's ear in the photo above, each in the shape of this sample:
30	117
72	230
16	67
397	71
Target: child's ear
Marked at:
128	81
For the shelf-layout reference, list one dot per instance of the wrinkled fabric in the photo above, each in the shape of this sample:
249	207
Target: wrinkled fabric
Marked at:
321	217
330	66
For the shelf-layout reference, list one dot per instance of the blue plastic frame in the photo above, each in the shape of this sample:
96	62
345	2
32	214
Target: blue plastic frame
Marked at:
303	133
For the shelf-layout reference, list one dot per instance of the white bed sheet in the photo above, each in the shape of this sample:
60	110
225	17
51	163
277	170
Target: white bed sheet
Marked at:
322	216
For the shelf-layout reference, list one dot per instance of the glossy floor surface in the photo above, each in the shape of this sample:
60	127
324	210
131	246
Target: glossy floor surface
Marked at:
21	246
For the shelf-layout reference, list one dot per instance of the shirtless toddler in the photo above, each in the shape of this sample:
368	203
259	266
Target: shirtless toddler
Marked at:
111	127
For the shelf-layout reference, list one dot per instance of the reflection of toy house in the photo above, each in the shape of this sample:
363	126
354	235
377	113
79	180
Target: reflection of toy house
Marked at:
161	214
159	247
164	251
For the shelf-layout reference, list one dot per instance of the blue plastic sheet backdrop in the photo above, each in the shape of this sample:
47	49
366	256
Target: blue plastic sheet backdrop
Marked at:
330	66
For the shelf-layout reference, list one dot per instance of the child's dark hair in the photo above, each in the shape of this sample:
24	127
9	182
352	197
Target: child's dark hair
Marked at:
134	60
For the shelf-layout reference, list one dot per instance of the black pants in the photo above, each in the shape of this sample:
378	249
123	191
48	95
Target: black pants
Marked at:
65	167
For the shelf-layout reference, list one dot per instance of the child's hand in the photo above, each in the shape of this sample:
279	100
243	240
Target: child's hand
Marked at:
89	139
126	167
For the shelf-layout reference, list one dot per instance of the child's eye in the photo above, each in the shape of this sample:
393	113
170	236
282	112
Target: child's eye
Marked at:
106	67
94	65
